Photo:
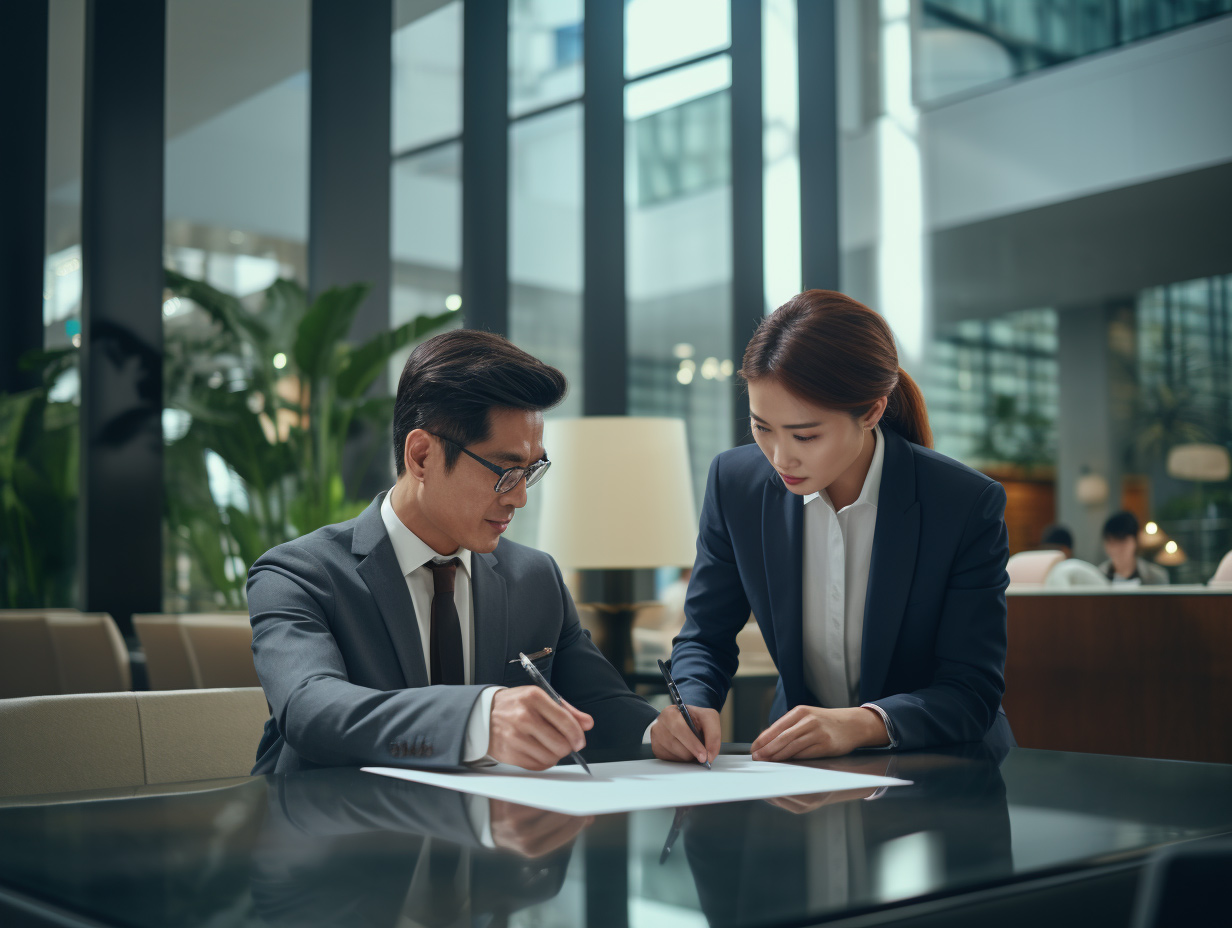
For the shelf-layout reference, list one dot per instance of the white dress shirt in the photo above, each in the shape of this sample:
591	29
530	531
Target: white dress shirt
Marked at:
413	556
838	552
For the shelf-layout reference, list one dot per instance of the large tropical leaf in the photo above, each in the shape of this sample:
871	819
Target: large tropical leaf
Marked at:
225	309
326	324
361	366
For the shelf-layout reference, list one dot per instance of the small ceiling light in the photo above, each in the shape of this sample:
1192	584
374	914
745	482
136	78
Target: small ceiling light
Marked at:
453	302
685	375
236	237
1151	528
280	360
77	340
710	368
727	368
1170	547
683	350
687	365
171	306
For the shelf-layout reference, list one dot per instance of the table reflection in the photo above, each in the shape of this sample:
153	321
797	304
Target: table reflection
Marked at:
337	849
762	862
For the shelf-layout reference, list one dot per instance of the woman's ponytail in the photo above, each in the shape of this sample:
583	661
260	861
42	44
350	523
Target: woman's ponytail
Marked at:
906	412
837	353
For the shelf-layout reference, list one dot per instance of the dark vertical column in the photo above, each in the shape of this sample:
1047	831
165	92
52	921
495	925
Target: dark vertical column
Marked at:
605	339
349	154
120	533
23	182
747	169
818	144
485	165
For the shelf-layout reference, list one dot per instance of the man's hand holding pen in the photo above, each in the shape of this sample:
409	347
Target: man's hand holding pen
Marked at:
530	730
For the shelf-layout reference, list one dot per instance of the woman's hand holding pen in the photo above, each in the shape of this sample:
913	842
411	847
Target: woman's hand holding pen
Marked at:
670	738
529	730
808	731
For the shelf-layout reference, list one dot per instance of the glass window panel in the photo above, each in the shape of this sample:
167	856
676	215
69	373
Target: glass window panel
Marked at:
427	73
545	259
662	32
426	241
545	53
679	266
235	217
781	152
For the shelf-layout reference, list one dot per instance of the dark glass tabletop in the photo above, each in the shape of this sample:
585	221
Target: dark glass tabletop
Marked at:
341	847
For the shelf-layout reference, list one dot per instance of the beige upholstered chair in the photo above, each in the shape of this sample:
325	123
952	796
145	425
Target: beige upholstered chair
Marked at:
221	649
90	653
27	658
61	651
197	651
1029	568
56	744
168	664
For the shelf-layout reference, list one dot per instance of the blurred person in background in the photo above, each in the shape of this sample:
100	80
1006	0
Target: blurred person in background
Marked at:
1124	566
1057	538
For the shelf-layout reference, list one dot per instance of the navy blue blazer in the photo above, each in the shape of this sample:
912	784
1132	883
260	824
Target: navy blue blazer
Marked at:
933	653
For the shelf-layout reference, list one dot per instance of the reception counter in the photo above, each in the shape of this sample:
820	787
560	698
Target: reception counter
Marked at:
1143	672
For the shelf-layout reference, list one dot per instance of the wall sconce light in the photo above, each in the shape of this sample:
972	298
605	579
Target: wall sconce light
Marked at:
1091	488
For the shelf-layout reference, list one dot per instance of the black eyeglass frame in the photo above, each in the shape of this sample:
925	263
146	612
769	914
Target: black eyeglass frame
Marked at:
532	474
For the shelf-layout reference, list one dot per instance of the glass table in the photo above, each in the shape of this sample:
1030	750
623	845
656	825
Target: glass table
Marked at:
341	847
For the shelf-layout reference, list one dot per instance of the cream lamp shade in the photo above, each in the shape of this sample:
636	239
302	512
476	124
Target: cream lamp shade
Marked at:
1205	463
619	494
1091	489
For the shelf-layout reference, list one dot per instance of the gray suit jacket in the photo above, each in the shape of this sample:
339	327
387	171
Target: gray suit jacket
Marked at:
337	649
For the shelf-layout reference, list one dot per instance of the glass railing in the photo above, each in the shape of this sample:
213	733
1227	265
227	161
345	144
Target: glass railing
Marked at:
967	44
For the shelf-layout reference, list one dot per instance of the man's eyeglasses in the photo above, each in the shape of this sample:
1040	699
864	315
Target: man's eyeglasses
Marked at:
506	477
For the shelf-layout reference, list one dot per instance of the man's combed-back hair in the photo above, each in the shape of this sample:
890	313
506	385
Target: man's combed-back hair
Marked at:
451	381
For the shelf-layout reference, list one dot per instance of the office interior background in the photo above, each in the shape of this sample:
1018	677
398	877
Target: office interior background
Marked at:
225	223
1034	193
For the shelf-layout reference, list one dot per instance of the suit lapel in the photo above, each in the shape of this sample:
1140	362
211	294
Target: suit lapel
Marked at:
491	613
783	534
380	572
895	543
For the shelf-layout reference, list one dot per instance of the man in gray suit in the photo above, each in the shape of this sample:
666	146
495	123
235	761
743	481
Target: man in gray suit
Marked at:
388	639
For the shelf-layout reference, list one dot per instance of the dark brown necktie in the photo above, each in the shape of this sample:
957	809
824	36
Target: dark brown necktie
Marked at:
446	660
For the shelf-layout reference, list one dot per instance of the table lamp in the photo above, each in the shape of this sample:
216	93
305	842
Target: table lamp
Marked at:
619	498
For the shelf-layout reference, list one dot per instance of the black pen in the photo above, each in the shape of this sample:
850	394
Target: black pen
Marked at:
677	823
541	681
675	694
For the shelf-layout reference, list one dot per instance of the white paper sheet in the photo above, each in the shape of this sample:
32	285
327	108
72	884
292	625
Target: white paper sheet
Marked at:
626	786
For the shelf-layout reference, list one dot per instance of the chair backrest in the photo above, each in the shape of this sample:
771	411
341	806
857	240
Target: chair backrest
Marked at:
201	734
1223	573
27	657
55	744
90	653
46	653
168	664
221	649
1031	567
1073	573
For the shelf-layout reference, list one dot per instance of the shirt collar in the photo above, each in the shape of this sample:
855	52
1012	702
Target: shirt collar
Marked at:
870	493
411	550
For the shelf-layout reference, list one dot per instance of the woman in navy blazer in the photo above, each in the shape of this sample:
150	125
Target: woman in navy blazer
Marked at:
825	390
